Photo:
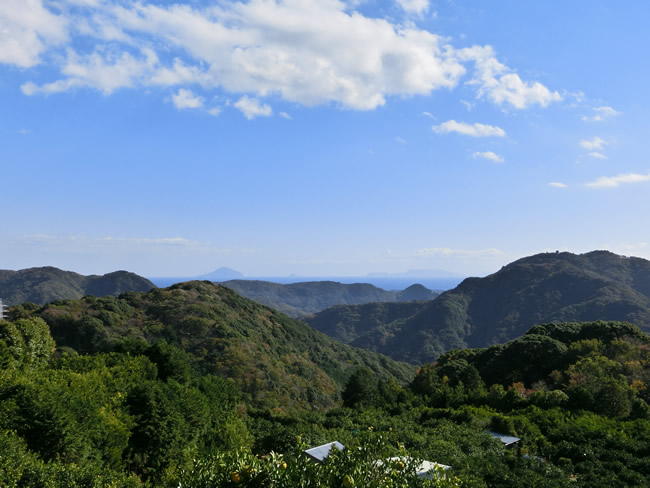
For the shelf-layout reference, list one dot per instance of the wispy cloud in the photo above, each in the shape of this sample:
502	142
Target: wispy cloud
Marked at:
597	155
428	114
95	242
106	72
285	115
468	105
400	140
445	251
489	155
186	99
601	114
615	181
634	247
172	241
595	144
557	184
474	130
251	108
414	6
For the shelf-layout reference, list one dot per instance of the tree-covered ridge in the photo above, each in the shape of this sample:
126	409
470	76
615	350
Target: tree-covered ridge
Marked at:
371	325
275	360
548	287
298	300
44	285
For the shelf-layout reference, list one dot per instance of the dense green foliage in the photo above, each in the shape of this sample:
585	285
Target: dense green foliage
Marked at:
549	287
301	299
44	285
276	361
113	414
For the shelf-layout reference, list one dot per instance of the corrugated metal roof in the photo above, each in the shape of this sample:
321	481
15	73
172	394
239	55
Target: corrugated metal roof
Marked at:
320	453
507	440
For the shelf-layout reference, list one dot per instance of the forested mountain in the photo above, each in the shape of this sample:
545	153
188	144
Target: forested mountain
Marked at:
46	284
275	360
548	287
301	299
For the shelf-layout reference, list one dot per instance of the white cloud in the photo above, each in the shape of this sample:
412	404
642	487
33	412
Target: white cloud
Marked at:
601	114
104	71
309	51
597	155
500	85
444	251
400	140
557	184
489	155
214	111
173	241
468	105
475	130
634	247
428	114
26	30
180	73
85	3
304	51
251	108
615	181
186	99
414	6
596	144
285	115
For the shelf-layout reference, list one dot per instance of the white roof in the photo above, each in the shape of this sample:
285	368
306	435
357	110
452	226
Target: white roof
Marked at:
320	453
426	469
506	439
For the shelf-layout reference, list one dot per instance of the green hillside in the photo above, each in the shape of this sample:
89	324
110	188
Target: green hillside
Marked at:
275	360
44	285
574	395
549	287
298	300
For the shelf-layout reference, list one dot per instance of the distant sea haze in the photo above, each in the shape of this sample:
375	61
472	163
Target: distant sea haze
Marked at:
385	282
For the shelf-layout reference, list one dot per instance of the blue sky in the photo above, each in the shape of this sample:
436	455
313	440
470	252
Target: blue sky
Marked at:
321	138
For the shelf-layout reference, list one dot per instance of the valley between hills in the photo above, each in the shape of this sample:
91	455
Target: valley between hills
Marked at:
198	384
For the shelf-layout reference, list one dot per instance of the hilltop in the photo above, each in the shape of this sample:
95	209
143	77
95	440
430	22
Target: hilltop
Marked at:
46	284
548	287
304	298
275	360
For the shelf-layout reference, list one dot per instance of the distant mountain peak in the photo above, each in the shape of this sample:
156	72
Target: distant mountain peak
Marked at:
222	274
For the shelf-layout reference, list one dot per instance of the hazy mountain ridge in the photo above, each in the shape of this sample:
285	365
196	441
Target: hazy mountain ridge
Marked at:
301	299
548	287
275	360
46	284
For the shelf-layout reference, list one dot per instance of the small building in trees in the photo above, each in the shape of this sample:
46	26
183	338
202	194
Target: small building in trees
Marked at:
508	441
320	453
